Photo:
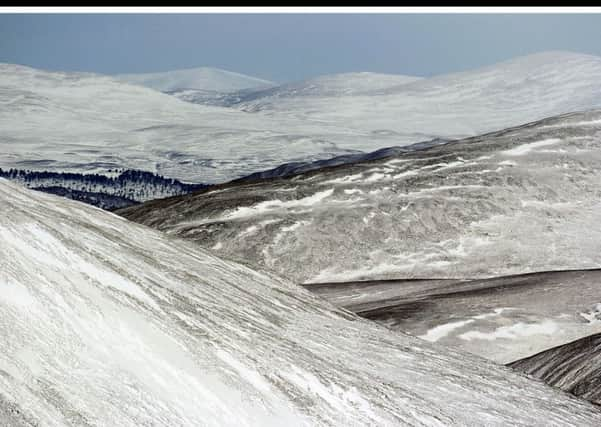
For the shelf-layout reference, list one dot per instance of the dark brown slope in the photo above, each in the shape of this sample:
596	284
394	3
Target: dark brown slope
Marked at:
503	318
573	367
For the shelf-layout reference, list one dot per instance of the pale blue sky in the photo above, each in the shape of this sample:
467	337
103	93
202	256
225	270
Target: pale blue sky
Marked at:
288	47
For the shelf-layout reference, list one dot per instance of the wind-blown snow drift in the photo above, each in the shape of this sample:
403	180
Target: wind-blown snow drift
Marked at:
105	322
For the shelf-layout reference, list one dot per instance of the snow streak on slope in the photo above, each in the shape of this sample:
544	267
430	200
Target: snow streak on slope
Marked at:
104	320
203	78
463	209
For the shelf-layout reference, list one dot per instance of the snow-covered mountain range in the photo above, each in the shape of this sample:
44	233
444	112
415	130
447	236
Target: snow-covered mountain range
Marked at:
202	78
453	105
104	320
88	123
337	85
332	85
427	219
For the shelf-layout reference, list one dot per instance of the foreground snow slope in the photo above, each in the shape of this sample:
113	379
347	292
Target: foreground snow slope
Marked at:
203	78
105	322
514	201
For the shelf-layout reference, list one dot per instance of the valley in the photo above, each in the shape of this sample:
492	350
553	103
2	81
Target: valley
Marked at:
200	246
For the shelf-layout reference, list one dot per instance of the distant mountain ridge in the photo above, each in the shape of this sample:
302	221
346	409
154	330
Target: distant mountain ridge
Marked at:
521	89
78	122
289	169
201	78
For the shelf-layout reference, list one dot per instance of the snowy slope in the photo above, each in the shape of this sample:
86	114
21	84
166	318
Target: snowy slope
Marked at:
203	78
85	123
105	322
514	201
454	105
333	85
295	168
88	123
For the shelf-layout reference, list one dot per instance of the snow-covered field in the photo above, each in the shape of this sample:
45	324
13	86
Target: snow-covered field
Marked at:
90	123
105	322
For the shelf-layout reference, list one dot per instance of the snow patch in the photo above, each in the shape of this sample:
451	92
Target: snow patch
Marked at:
442	331
594	315
507	163
353	191
346	179
521	329
404	174
270	205
526	148
376	176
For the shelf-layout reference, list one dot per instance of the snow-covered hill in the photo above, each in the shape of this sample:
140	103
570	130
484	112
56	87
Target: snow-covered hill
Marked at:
77	122
454	105
202	78
509	202
103	321
333	85
74	122
288	169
